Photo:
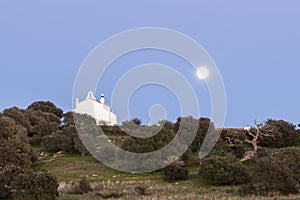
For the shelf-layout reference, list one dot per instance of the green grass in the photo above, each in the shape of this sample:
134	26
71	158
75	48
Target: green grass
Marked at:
71	167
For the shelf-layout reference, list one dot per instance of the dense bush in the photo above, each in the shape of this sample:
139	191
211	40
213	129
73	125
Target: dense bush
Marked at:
47	107
41	130
66	140
17	179
8	177
7	127
79	146
58	142
112	130
14	146
15	150
19	117
280	134
218	170
291	157
36	186
204	127
231	142
176	171
37	117
272	174
143	145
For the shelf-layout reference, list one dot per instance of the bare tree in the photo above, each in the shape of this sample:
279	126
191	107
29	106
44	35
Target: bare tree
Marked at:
254	137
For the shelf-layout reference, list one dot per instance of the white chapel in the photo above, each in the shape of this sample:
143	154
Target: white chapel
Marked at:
97	109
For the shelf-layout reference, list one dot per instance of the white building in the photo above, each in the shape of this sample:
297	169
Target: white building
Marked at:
97	109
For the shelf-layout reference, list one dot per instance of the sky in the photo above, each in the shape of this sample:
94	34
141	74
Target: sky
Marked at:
255	45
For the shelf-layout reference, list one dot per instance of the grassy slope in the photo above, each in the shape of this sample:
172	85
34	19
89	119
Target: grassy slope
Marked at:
71	167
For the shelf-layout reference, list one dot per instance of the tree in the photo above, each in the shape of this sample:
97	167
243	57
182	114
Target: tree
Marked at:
232	141
204	127
281	134
15	150
19	117
270	133
144	145
7	127
131	125
46	106
17	179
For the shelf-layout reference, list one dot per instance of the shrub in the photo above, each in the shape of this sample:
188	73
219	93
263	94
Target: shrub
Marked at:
190	158
79	146
37	117
231	141
219	170
47	107
150	144
175	171
81	187
36	186
7	180
24	184
282	134
272	174
204	126
41	130
18	115
15	154
7	127
66	140
112	130
58	142
291	157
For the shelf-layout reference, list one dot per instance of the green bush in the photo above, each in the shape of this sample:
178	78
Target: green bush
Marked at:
272	174
204	127
41	130
17	180
291	157
8	177
218	170
15	154
58	142
79	146
175	171
150	144
7	127
281	134
17	183
66	140
47	107
36	186
18	115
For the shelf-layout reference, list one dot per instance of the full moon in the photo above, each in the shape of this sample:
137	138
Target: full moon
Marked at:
202	73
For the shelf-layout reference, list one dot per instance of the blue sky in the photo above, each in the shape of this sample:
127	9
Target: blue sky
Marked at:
255	45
